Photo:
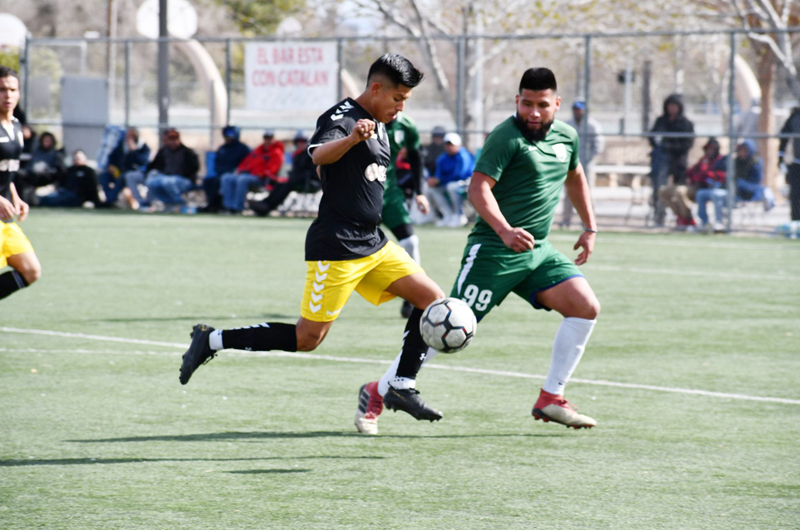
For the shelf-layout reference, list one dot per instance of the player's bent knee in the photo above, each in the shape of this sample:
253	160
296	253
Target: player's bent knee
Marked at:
32	275
30	272
591	309
309	339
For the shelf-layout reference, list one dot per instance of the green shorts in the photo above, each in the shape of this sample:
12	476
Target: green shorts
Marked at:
395	211
488	275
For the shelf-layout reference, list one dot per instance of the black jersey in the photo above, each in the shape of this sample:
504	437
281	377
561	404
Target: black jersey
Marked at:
352	199
10	149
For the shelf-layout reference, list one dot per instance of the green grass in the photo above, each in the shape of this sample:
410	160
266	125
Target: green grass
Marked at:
99	434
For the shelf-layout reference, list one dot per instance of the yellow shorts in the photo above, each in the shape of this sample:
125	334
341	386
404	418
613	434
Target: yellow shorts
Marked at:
330	283
12	242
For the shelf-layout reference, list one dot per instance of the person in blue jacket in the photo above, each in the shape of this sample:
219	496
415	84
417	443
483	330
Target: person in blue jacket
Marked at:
453	171
130	154
227	159
748	170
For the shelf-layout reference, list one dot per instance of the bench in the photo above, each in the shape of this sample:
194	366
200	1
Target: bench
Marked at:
614	171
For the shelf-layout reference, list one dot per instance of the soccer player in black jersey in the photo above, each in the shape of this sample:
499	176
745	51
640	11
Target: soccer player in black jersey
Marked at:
345	250
15	249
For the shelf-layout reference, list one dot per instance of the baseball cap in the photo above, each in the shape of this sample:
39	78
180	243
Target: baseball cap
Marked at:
579	104
230	131
269	133
452	138
300	136
438	131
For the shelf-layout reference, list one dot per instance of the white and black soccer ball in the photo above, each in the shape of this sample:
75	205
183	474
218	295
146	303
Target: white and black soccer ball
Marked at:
448	325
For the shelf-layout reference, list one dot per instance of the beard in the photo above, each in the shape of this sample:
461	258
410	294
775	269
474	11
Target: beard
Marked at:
532	135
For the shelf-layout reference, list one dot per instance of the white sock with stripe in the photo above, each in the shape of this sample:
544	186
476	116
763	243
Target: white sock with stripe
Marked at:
215	340
568	347
390	377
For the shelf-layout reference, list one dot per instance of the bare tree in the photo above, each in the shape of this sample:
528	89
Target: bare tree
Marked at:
771	50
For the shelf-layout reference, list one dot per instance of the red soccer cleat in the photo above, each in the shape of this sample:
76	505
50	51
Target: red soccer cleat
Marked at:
552	407
370	406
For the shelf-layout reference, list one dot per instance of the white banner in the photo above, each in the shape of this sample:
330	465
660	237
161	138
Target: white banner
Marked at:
290	75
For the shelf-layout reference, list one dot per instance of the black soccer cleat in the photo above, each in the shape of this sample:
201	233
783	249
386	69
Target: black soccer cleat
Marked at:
199	352
408	400
406	309
260	208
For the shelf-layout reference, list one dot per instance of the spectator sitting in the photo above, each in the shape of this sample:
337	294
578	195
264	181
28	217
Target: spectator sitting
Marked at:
261	166
45	167
670	153
227	159
131	154
75	186
171	174
302	177
704	174
453	171
748	172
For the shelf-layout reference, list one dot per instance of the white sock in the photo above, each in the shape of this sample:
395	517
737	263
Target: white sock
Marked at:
568	347
215	340
390	377
411	245
428	356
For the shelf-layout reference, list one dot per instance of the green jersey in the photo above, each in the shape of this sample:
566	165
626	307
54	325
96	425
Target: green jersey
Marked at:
402	133
529	177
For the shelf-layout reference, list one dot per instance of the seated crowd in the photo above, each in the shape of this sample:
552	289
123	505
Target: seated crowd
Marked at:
706	181
127	177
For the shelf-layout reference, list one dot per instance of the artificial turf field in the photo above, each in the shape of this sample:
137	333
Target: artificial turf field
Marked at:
100	434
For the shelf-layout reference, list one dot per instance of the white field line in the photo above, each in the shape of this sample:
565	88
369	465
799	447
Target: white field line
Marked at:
683	272
329	358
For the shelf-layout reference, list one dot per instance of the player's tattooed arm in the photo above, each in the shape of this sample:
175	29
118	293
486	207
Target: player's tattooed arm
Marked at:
482	198
331	152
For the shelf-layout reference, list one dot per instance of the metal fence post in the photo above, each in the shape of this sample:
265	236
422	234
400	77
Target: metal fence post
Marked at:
460	85
163	68
339	58
228	65
212	109
587	72
26	105
729	170
128	46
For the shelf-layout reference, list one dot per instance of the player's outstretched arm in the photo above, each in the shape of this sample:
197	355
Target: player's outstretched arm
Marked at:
578	192
331	152
482	198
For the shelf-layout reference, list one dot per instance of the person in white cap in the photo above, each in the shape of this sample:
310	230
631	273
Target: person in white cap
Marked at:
453	171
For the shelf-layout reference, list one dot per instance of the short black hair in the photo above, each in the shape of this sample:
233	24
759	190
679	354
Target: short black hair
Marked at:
5	71
538	79
397	69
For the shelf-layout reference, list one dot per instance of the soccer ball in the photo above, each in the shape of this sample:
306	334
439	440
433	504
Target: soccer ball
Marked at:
448	325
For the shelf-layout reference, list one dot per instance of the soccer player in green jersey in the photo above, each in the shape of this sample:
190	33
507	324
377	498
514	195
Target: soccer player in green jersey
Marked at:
515	189
403	132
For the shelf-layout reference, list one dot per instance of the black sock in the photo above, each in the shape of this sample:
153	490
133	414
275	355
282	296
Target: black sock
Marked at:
11	282
414	348
263	337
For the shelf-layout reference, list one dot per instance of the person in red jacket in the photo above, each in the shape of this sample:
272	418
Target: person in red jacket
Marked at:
261	167
680	197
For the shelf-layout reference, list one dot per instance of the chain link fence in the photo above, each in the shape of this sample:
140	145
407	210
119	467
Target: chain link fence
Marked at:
471	83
